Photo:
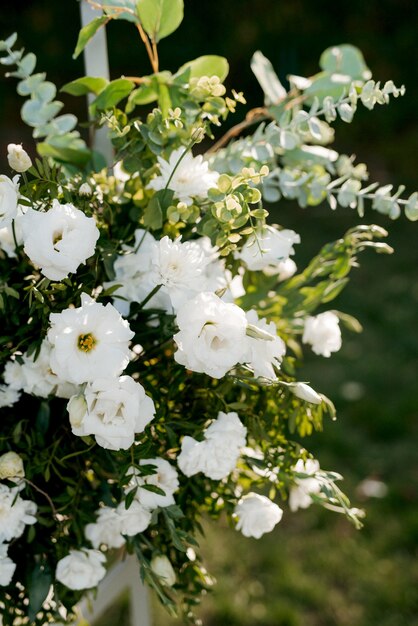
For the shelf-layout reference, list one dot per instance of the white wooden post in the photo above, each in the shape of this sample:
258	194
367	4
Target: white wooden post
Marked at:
96	63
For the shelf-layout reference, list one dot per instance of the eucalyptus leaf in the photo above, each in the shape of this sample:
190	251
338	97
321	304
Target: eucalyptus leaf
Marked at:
264	72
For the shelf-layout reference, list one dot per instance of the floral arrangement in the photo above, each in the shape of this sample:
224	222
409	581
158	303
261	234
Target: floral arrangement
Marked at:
153	319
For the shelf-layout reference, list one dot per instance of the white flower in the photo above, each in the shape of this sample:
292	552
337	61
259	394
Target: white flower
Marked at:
81	569
268	247
165	478
89	342
106	530
85	190
256	515
15	513
300	494
212	335
162	567
218	454
323	333
7	238
11	466
36	377
189	177
134	520
180	268
59	240
8	396
7	567
18	158
9	195
305	392
285	269
263	355
115	410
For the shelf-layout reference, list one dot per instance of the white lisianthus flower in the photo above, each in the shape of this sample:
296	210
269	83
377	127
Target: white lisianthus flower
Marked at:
9	196
189	177
18	158
263	355
256	515
300	494
81	569
180	268
217	455
8	396
115	410
7	567
11	466
89	342
266	248
165	478
323	333
15	513
162	567
36	377
212	335
59	240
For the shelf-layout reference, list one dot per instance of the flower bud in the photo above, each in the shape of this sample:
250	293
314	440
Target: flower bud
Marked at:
162	567
18	158
77	408
305	392
85	190
11	466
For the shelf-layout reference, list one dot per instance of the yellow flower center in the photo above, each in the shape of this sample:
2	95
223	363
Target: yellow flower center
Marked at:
86	343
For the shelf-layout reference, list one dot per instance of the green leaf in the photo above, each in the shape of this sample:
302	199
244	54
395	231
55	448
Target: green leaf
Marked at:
264	72
143	95
345	59
153	215
40	582
160	18
207	65
84	85
111	95
65	155
88	32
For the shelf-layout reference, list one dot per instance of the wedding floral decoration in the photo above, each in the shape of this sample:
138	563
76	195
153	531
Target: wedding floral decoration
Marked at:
154	318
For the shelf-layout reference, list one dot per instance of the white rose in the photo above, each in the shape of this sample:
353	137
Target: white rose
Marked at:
323	333
267	247
15	513
9	195
77	409
256	515
189	177
7	567
165	478
212	335
8	396
11	466
227	426
263	355
106	530
134	520
162	567
18	158
115	410
59	240
81	569
191	459
89	342
300	493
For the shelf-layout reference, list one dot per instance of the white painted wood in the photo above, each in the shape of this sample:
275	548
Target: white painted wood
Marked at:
96	63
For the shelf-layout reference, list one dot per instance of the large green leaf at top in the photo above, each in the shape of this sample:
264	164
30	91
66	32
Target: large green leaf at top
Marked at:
84	85
207	65
88	32
345	59
160	18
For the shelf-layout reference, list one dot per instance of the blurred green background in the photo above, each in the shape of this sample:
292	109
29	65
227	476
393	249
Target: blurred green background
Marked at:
314	569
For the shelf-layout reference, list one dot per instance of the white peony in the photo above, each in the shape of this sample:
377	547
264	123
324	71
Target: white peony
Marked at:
263	355
212	335
15	513
18	158
59	240
81	569
89	342
9	195
165	478
36	377
300	494
162	567
115	410
11	466
256	515
323	333
267	248
8	396
180	268
189	177
7	567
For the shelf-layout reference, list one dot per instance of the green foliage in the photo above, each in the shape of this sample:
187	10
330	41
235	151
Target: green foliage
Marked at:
160	18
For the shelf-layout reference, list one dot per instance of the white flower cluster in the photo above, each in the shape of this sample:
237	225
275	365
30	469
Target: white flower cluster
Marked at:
217	455
323	333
